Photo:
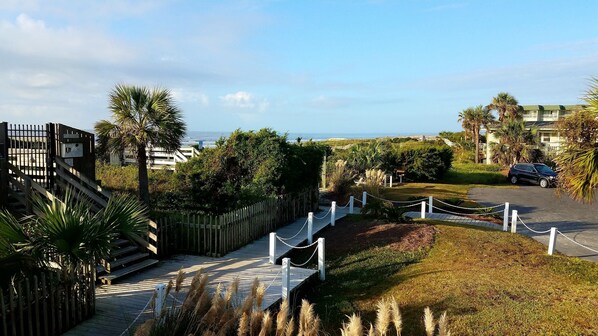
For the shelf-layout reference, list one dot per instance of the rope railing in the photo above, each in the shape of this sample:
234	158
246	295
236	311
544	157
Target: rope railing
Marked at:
324	216
529	228
296	247
137	317
272	281
308	259
346	205
469	208
398	202
573	241
408	206
464	214
289	238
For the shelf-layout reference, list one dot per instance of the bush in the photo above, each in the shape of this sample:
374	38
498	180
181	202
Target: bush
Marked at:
248	167
471	173
424	161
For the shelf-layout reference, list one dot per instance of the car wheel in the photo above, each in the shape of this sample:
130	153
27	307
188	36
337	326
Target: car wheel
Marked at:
544	183
514	179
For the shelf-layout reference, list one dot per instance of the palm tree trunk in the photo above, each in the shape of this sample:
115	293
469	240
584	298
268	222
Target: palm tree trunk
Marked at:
477	145
143	179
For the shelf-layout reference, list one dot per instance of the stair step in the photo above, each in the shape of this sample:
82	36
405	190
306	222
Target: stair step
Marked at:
123	250
107	279
124	261
121	242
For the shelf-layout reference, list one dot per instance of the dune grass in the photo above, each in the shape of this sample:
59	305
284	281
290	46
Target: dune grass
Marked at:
489	282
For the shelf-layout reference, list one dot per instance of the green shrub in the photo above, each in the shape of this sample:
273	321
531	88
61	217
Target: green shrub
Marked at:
248	167
424	161
341	179
471	173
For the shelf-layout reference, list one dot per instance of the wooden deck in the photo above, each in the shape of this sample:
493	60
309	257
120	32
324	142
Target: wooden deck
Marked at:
119	304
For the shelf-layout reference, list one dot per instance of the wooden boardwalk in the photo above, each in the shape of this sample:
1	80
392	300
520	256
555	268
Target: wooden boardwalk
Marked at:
118	305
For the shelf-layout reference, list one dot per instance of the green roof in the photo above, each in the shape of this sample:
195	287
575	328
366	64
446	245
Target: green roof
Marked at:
551	107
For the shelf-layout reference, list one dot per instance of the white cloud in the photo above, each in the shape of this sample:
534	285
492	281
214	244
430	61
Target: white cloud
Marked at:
245	100
186	95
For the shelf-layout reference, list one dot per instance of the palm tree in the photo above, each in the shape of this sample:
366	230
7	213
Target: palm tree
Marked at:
516	143
142	118
472	119
578	161
68	230
507	107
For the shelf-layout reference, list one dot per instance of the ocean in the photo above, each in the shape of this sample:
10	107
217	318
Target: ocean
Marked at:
208	139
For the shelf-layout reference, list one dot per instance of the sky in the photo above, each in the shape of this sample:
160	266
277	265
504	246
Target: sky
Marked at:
392	67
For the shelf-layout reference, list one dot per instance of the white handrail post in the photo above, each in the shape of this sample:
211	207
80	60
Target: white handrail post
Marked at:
351	201
333	213
272	248
286	278
552	241
385	180
321	261
310	227
430	204
391	180
401	179
423	212
364	199
160	298
514	217
505	220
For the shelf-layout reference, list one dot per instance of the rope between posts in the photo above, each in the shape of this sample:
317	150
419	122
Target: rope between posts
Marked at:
358	200
398	202
308	260
466	214
408	206
346	205
297	247
138	315
562	234
326	214
529	228
175	299
296	234
468	208
271	282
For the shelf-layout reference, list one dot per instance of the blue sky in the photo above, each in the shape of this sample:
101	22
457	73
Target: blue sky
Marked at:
403	67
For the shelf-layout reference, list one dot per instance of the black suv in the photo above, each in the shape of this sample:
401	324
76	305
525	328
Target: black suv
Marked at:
537	173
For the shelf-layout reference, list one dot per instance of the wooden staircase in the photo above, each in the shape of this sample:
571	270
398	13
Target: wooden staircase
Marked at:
128	255
126	258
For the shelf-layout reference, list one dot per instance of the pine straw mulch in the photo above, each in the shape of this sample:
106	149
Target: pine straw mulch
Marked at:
360	234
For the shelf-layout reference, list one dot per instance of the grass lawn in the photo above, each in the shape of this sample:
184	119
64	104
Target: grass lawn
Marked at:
489	282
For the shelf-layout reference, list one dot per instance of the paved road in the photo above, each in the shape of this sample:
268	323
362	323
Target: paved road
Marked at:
542	209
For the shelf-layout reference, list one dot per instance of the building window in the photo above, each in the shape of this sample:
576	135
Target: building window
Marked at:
545	137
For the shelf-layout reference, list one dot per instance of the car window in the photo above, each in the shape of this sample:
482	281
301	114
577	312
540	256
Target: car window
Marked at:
544	169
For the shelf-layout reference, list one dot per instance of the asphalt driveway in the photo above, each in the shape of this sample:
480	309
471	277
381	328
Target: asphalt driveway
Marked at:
542	209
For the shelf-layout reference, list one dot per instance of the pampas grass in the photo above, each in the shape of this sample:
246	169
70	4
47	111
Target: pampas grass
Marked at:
223	313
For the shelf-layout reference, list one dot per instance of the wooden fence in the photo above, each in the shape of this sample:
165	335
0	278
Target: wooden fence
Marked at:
218	235
47	304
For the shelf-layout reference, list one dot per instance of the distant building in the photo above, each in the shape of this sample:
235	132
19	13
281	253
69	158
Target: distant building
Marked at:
543	118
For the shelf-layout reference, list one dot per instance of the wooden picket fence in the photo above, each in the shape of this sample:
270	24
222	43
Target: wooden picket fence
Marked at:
47	304
218	235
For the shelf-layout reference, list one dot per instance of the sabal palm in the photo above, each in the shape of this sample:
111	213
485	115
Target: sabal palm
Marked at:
69	230
474	118
141	118
578	161
515	142
507	107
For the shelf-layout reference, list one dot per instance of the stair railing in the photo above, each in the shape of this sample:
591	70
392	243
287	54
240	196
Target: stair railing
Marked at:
67	176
